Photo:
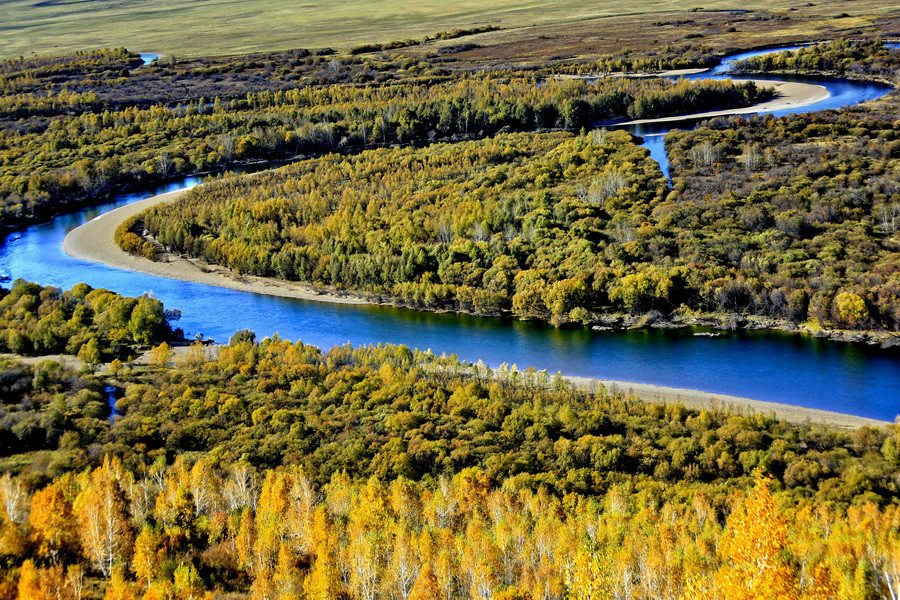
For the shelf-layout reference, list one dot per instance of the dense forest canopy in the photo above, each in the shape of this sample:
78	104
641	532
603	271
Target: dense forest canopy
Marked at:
276	470
477	225
808	206
81	126
571	228
179	532
113	79
41	72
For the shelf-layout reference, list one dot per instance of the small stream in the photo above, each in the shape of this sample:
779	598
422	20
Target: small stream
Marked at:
112	396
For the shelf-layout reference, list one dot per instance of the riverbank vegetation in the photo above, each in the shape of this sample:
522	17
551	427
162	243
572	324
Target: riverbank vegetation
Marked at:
841	57
50	162
572	228
93	324
114	79
278	470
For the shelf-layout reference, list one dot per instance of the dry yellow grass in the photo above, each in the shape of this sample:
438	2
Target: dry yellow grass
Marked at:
192	27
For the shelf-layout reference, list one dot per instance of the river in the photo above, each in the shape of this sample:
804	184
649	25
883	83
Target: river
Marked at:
769	366
842	93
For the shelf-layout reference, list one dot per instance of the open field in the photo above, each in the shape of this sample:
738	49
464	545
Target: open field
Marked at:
188	27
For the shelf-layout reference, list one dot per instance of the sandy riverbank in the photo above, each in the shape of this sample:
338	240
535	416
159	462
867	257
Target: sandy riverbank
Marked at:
700	400
788	94
641	75
94	242
669	73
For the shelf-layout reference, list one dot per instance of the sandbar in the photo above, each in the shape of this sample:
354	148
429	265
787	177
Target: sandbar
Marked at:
788	95
94	241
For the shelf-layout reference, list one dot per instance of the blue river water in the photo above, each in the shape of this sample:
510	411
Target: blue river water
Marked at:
769	366
842	93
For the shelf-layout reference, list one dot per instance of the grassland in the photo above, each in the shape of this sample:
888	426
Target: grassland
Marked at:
194	27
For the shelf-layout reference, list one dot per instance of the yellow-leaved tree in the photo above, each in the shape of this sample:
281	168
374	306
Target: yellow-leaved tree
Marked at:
29	583
426	585
118	587
148	556
752	552
51	521
103	521
586	577
323	580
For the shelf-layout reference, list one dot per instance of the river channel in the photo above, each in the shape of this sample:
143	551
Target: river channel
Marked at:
771	366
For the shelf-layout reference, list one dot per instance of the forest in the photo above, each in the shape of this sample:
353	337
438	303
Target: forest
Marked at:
841	57
273	469
83	126
91	324
572	228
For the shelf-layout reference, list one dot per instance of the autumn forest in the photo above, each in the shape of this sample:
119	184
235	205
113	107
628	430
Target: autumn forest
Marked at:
439	174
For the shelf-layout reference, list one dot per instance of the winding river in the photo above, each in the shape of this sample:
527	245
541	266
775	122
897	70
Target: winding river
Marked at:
841	93
769	366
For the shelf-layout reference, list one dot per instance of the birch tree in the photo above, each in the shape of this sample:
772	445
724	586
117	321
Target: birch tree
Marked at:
103	523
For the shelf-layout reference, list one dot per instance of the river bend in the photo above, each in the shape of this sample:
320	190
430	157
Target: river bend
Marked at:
768	366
